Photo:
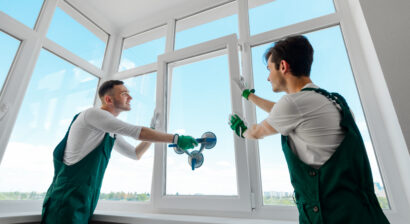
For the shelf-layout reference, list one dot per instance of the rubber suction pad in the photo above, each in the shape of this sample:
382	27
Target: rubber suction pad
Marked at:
196	159
209	144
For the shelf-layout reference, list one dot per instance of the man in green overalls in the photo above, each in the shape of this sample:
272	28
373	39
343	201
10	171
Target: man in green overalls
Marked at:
327	161
81	158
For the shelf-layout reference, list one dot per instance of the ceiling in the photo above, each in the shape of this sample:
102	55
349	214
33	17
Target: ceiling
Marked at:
122	13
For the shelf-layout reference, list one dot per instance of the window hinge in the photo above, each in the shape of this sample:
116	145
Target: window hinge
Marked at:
240	47
253	202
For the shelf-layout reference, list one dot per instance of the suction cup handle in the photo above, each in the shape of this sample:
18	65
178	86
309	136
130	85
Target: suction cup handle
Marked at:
193	163
199	140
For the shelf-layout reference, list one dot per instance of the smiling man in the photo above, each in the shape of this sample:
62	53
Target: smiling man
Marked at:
81	158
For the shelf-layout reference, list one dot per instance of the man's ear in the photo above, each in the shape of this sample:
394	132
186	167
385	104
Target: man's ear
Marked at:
107	99
284	66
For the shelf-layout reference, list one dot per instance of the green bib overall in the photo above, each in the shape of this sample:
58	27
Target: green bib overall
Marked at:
74	192
341	190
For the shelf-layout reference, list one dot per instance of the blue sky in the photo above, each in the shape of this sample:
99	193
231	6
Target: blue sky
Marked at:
200	100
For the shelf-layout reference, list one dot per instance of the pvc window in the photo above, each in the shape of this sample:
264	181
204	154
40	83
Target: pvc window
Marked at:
143	48
25	11
57	91
207	25
77	34
188	93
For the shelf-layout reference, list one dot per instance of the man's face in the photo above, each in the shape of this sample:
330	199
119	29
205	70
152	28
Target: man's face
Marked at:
276	77
121	98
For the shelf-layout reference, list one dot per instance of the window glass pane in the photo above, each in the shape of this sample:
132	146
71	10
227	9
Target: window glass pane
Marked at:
25	11
143	48
208	25
280	13
127	179
57	91
194	97
76	38
9	47
330	70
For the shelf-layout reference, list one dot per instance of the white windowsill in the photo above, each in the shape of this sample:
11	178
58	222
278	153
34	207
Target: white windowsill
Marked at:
118	217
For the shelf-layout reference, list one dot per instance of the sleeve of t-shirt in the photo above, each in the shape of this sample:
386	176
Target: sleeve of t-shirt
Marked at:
124	148
105	121
284	116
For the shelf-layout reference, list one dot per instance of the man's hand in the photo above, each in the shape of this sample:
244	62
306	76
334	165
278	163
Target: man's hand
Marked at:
237	125
243	87
185	142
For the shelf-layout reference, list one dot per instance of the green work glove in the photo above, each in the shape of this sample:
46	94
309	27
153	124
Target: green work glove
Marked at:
185	142
242	86
237	125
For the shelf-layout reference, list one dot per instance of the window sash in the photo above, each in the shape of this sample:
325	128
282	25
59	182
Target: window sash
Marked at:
160	199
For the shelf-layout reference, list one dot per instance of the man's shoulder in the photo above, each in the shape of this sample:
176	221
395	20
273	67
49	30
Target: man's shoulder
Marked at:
93	110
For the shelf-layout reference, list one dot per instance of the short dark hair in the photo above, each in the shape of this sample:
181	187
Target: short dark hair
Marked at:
296	51
107	86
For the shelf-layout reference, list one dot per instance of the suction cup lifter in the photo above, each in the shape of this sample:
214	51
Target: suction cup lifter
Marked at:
196	158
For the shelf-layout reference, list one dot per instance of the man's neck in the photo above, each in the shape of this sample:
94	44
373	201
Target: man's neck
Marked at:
295	84
110	109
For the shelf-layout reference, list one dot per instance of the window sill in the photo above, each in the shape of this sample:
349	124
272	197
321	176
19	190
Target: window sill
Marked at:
117	217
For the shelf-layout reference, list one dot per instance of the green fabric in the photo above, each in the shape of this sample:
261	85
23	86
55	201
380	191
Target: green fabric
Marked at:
237	125
247	92
341	190
74	192
186	142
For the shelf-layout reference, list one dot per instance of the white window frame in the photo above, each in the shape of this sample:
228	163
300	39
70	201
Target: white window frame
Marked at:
66	54
16	84
115	49
142	38
241	202
18	79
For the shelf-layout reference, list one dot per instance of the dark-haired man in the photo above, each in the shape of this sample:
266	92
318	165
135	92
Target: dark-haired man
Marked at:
81	158
325	153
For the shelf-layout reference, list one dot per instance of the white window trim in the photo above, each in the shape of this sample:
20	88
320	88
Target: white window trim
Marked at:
66	54
161	201
72	58
83	20
145	36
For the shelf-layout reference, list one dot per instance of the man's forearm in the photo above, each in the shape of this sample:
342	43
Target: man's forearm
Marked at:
142	148
265	105
259	131
148	134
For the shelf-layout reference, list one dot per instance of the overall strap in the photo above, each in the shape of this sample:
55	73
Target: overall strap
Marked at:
58	152
342	106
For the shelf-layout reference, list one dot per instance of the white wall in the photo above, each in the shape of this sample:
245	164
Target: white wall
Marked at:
389	26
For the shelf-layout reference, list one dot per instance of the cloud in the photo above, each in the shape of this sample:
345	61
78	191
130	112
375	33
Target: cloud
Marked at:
82	76
224	163
26	167
179	131
126	64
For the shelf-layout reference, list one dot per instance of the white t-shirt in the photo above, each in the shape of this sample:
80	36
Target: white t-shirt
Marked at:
312	123
89	129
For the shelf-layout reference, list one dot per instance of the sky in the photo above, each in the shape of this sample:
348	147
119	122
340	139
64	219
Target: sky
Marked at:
200	101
